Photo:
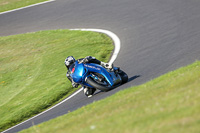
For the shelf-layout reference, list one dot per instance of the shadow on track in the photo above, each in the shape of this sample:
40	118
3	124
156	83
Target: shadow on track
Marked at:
133	78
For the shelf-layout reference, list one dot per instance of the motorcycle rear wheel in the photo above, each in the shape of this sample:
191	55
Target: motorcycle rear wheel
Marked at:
123	76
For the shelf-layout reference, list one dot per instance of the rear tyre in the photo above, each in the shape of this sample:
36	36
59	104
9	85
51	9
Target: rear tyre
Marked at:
123	76
96	85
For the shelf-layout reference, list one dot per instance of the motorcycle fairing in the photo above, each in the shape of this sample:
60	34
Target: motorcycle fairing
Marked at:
78	72
82	71
95	68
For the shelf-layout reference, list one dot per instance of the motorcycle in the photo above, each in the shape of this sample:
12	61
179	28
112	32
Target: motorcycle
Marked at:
95	76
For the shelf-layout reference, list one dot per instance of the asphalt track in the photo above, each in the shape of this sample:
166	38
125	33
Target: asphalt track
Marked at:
156	36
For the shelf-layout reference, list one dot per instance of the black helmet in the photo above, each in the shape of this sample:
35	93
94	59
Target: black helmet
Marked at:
69	60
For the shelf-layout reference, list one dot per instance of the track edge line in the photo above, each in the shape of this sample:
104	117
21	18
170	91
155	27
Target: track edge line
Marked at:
13	10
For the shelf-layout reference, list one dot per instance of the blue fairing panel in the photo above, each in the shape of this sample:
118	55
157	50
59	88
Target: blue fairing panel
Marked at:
78	73
91	67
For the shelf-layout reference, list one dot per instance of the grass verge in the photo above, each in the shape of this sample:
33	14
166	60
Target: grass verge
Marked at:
168	104
7	5
33	71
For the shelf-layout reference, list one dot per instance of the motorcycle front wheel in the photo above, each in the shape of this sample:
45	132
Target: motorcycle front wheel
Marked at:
96	85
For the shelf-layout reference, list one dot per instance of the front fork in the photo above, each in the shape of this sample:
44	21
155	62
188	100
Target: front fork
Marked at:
97	78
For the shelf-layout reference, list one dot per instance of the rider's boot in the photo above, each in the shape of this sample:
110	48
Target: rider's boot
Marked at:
89	91
107	65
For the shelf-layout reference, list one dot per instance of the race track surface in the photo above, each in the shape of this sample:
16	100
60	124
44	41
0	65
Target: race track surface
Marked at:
156	36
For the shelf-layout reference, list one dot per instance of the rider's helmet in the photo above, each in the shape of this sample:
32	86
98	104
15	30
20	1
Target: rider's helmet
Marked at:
69	61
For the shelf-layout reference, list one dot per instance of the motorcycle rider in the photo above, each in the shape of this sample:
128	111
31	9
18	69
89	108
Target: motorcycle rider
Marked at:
88	59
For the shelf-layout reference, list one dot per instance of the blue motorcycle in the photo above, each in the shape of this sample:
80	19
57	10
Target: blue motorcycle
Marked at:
95	76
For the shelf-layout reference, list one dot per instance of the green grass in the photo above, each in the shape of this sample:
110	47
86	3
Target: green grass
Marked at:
7	5
167	104
33	74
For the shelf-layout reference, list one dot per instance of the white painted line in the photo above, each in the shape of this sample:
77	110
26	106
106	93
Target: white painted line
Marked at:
113	36
27	6
114	56
45	110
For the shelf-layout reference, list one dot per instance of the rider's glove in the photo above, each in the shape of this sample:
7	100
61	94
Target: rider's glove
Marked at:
67	74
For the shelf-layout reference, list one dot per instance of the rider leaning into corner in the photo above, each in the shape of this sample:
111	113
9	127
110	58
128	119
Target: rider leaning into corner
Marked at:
89	59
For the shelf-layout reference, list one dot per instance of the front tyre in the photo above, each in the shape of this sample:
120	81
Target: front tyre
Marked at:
96	85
